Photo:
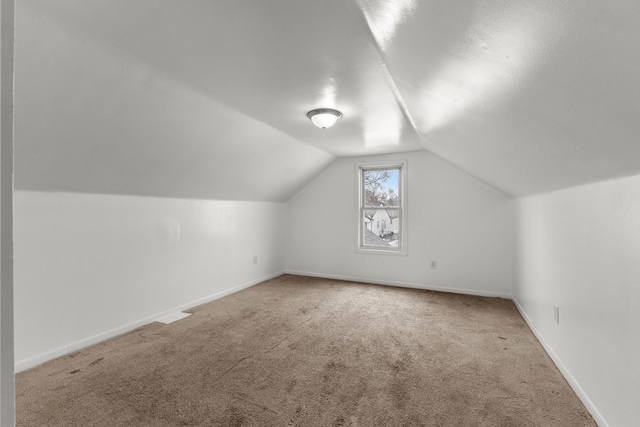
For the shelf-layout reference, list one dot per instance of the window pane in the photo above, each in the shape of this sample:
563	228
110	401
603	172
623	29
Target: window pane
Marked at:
381	187
381	209
381	228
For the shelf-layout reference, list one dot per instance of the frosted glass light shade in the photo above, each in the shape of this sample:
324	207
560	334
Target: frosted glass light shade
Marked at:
324	117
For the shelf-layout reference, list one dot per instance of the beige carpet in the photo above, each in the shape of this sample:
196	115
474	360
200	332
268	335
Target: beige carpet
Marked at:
298	351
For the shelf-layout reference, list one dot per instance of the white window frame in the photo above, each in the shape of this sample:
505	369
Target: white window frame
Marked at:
402	194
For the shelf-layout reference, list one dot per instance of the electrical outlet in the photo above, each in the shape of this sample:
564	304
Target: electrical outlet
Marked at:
255	259
556	313
434	264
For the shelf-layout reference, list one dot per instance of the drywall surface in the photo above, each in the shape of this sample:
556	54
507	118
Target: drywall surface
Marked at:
579	249
91	266
90	118
462	223
7	379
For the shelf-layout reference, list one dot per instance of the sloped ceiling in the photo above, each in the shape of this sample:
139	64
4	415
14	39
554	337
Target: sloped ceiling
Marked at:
208	99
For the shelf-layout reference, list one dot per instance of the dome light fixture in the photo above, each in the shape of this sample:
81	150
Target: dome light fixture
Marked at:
324	117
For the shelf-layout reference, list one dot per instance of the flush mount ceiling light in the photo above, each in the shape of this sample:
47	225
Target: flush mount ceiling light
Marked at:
324	117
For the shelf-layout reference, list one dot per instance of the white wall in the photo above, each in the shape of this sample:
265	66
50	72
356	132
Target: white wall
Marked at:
580	249
7	379
88	267
453	218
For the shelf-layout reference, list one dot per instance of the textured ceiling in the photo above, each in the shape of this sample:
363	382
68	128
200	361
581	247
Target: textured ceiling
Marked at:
208	99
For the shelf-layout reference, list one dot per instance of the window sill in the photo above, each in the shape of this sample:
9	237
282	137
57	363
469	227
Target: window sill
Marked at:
375	251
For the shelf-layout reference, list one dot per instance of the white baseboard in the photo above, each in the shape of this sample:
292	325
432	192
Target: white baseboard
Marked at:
598	418
476	292
23	365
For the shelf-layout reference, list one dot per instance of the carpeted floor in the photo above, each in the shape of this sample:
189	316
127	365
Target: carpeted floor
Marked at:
299	351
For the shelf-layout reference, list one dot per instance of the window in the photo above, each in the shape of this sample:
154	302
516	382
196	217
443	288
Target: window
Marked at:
381	212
